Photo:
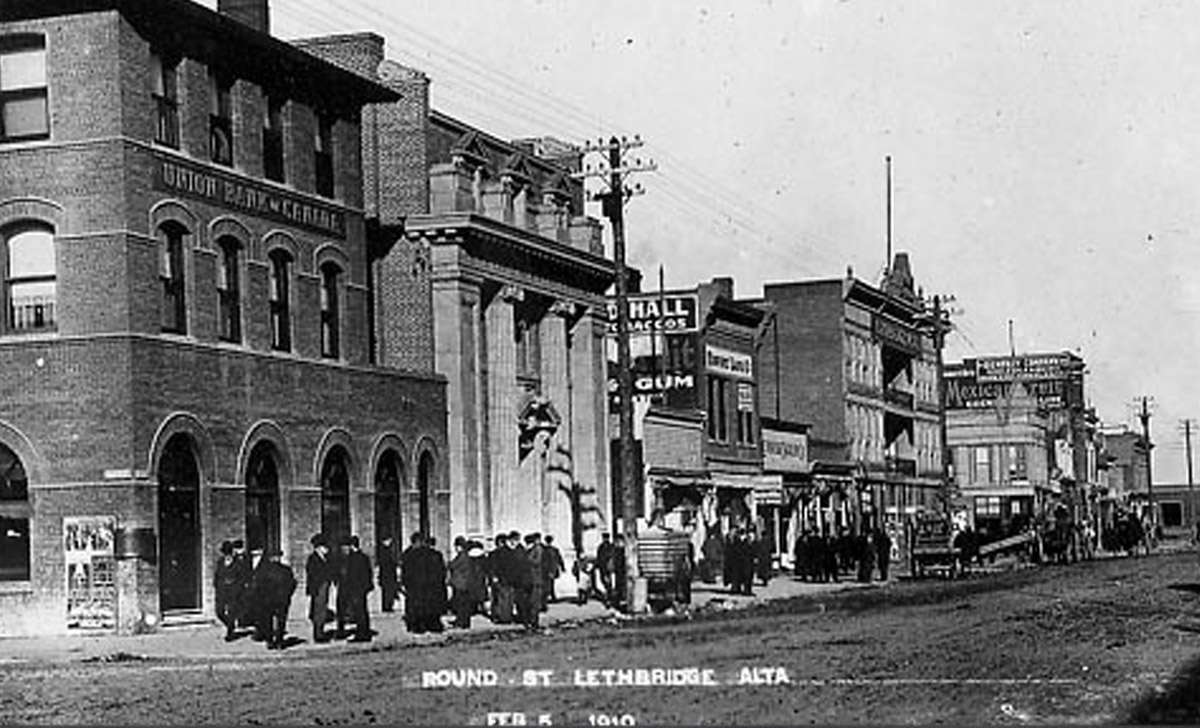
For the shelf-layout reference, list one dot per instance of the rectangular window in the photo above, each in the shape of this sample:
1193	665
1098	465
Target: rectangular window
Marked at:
330	346
171	273
24	105
228	291
220	120
987	506
323	151
983	465
273	168
745	413
281	323
1018	466
718	409
166	100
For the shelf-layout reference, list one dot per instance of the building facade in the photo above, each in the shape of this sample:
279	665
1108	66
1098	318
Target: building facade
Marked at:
696	423
493	236
859	363
188	346
1023	397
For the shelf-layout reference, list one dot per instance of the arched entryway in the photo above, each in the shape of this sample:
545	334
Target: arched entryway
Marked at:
335	494
179	525
425	492
262	497
388	476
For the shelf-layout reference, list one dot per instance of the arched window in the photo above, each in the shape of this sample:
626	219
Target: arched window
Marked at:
262	497
387	497
179	525
229	295
281	319
15	516
171	240
330	334
424	491
30	278
335	494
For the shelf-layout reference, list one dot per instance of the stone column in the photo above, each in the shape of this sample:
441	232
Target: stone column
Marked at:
502	394
589	426
459	356
556	386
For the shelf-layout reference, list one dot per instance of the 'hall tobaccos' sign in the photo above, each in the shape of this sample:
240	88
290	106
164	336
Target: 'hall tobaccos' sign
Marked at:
243	195
669	313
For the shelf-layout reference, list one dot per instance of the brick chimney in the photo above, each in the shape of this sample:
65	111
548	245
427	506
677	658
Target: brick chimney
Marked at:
254	13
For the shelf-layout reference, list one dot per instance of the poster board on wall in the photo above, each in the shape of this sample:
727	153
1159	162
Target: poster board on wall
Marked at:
90	571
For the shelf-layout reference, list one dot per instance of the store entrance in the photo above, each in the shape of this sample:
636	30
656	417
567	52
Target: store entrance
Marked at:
178	526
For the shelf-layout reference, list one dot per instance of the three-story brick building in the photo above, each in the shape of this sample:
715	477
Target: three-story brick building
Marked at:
188	350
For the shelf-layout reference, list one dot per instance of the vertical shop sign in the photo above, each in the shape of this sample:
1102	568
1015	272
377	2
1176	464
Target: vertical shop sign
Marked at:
91	571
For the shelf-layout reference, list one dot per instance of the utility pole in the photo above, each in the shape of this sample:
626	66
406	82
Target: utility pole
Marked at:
1144	416
1187	443
613	200
939	322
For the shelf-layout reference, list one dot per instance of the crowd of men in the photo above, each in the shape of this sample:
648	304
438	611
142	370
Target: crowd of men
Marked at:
825	558
511	584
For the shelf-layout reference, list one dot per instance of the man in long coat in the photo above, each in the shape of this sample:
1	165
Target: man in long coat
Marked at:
423	579
318	576
552	567
500	571
273	585
467	582
389	583
357	581
229	582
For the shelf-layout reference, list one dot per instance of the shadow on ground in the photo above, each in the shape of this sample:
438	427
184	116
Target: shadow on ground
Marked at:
1177	704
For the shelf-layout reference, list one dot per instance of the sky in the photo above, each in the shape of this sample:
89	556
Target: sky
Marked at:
1046	155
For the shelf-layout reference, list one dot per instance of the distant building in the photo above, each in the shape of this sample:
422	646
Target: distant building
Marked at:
1022	397
859	363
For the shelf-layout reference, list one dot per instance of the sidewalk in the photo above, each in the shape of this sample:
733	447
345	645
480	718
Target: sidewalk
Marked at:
205	641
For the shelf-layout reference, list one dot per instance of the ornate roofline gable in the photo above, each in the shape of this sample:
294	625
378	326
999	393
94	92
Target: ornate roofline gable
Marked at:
516	167
469	149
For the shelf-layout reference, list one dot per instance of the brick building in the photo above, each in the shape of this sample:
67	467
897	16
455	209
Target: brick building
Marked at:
859	363
509	279
188	352
696	420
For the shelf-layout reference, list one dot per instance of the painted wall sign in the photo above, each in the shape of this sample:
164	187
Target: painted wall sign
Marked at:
730	363
244	195
650	313
896	334
784	452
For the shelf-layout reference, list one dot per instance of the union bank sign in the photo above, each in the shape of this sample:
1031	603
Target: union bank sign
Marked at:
244	195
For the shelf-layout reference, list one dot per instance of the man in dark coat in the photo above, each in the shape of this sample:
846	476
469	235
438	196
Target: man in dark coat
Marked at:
274	584
605	567
423	580
254	601
318	576
534	554
500	565
468	583
229	582
356	582
883	552
552	567
389	584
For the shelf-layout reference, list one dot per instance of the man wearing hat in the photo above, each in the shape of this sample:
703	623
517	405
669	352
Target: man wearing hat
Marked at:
229	581
357	581
318	575
274	585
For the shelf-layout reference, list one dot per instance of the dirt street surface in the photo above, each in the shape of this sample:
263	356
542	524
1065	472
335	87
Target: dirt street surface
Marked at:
1100	642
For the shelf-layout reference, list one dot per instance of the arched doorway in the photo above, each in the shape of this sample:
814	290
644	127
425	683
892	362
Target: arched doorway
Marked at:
387	497
335	494
262	497
178	526
424	491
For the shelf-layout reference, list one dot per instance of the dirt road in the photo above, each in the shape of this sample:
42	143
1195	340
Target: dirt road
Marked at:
1108	641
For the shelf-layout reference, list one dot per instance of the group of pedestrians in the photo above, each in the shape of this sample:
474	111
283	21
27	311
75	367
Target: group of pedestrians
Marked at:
740	557
253	590
820	558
